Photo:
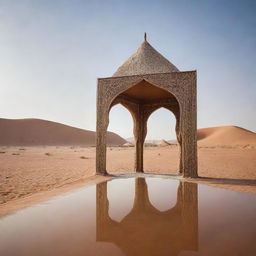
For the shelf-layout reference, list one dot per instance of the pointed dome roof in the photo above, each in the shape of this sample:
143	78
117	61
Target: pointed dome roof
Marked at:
146	60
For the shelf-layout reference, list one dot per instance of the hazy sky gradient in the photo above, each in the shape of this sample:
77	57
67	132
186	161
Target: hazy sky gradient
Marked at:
51	53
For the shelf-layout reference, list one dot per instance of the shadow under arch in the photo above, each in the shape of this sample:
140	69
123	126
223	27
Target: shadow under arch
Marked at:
146	230
141	100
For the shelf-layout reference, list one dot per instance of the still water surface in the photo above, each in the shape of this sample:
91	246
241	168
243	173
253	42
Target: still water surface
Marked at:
135	216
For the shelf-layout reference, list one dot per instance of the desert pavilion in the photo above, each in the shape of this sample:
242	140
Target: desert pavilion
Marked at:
146	82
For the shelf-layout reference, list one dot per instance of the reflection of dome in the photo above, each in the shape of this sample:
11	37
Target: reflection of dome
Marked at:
146	60
146	230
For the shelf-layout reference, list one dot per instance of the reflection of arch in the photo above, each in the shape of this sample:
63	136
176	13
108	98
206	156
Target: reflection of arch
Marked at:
146	230
126	189
159	200
141	95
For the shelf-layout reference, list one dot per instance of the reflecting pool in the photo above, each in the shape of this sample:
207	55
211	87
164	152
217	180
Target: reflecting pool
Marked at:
135	216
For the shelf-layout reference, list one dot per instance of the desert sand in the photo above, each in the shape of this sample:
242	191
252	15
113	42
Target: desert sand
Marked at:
226	158
29	170
229	136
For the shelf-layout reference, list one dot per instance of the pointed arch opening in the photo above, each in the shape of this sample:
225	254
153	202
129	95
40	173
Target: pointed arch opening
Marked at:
161	150
141	100
120	158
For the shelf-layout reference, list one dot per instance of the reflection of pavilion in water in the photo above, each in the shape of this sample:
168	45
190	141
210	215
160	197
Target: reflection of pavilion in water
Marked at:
146	230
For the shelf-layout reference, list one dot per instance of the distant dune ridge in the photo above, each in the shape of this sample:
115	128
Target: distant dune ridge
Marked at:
225	135
217	136
35	132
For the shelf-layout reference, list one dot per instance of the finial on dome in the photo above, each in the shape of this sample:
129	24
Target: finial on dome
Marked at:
145	36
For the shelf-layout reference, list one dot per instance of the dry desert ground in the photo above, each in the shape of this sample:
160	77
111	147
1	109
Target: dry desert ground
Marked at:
226	158
29	170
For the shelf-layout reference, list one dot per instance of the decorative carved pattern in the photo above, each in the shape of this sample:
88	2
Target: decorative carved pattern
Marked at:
181	85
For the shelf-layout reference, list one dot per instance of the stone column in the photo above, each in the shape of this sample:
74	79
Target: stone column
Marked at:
140	131
188	131
101	134
176	112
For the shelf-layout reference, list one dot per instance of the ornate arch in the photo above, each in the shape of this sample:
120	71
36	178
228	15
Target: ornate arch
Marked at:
181	88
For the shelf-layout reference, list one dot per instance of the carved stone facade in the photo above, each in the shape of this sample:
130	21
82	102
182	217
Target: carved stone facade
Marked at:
142	95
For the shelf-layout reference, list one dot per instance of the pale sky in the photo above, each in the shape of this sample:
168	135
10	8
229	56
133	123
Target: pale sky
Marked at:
51	53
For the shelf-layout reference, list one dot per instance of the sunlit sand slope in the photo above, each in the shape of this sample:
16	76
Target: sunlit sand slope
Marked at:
225	135
33	132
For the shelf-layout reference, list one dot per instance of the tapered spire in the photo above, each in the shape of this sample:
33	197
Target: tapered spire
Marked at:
145	36
146	60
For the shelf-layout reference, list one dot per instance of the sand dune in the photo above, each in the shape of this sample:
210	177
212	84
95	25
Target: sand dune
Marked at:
34	132
225	135
217	136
